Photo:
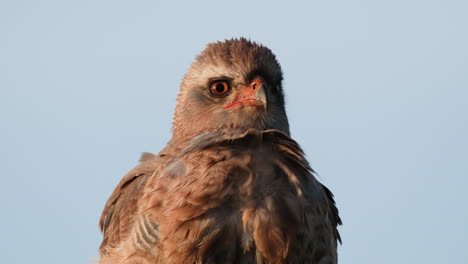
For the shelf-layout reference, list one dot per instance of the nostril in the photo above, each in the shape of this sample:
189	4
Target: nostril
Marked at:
255	84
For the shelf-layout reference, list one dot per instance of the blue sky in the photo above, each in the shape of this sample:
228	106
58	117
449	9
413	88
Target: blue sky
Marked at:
376	95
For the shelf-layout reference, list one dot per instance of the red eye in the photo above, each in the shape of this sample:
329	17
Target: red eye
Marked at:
219	88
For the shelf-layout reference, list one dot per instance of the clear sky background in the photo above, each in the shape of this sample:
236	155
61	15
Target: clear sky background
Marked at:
376	91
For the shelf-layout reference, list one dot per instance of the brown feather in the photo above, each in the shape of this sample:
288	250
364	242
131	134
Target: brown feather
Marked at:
231	191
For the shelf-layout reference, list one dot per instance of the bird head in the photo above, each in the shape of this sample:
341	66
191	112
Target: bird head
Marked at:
232	85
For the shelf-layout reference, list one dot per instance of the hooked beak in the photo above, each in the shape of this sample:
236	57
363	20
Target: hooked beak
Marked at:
253	94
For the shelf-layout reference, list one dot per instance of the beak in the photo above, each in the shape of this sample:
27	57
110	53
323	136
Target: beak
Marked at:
253	94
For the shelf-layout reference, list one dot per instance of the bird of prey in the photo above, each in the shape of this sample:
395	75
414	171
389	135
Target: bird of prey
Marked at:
231	186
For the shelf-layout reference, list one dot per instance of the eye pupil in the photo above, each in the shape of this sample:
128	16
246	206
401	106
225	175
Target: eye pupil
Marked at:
220	88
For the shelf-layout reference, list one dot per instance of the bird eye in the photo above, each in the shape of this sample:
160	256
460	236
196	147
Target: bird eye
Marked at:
219	88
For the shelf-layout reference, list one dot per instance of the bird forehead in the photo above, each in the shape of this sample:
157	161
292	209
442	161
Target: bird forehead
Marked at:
205	72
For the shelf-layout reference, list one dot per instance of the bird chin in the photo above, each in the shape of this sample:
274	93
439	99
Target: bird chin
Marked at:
248	103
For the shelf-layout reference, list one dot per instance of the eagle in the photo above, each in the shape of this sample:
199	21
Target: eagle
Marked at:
231	185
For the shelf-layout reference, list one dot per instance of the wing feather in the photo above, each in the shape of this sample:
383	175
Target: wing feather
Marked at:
121	208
